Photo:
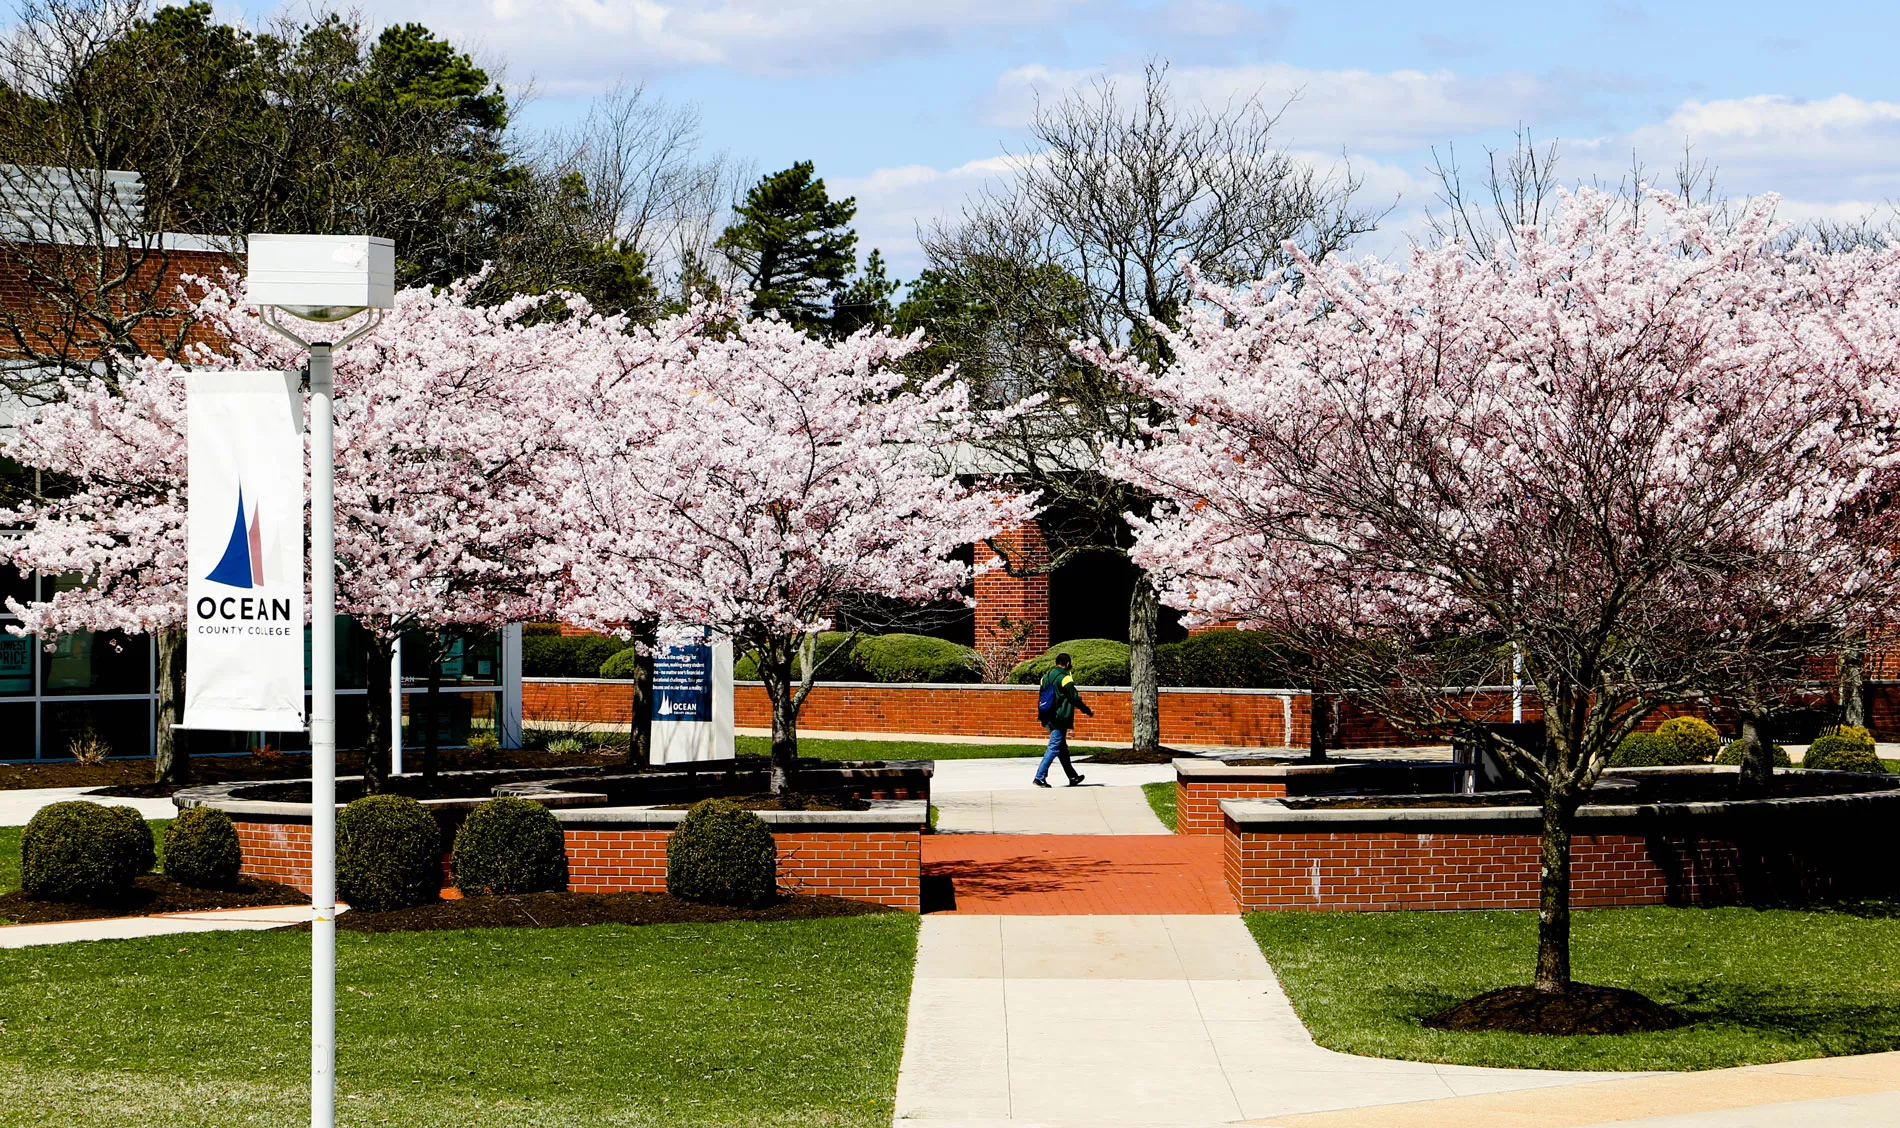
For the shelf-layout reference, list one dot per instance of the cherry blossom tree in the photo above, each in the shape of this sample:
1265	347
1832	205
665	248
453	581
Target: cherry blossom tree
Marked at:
760	482
1652	456
442	417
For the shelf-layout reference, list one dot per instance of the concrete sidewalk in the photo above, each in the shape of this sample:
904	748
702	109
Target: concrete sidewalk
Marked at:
169	924
17	808
1163	1021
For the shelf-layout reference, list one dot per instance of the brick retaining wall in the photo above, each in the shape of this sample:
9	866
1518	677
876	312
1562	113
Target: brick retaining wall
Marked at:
878	866
1197	802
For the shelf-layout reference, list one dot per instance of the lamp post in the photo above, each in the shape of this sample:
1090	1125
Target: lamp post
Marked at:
321	279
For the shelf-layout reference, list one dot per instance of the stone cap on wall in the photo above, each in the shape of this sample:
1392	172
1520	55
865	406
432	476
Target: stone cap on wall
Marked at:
904	815
1012	687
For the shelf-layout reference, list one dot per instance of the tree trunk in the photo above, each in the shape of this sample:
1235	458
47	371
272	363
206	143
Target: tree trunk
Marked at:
376	741
432	736
640	727
171	761
1853	682
1553	898
1319	720
1758	756
1144	697
784	740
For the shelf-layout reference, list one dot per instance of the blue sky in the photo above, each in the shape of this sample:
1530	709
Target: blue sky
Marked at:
909	105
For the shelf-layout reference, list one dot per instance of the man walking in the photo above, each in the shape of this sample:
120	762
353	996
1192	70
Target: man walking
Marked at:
1056	704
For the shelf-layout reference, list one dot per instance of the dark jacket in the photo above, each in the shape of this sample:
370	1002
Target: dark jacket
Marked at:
1068	699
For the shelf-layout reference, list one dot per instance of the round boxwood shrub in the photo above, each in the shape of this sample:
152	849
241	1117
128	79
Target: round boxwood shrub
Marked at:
1098	661
388	854
510	845
201	849
1732	754
80	851
722	854
916	658
624	665
1694	739
1230	659
1836	753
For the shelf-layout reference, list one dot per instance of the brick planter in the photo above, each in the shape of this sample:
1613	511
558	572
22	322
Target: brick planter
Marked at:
1200	785
1708	853
871	855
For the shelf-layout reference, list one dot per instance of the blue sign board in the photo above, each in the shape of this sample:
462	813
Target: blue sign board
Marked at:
683	682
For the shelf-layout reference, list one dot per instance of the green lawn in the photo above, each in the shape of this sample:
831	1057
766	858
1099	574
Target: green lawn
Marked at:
823	749
1161	796
1759	986
781	1024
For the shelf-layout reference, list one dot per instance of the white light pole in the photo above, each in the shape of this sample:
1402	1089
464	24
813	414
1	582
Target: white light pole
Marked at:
321	278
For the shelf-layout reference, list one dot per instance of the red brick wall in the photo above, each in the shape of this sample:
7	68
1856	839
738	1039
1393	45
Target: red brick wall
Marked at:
276	851
1372	871
157	275
1197	803
879	866
1022	598
1223	717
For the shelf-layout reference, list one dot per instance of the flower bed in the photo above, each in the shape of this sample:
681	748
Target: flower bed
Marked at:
1822	841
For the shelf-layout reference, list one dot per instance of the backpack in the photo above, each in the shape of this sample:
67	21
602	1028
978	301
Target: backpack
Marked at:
1046	701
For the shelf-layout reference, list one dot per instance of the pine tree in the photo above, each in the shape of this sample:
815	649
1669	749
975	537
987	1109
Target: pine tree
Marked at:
866	301
792	245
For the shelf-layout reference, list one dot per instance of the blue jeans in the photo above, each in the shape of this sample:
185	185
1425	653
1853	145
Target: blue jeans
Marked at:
1058	746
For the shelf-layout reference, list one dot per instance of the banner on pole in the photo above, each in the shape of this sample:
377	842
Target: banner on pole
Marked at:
692	701
244	527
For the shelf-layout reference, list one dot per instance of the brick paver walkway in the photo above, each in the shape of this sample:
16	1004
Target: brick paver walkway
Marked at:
1075	874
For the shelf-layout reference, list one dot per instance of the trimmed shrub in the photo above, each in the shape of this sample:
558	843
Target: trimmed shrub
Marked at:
722	854
1837	753
1229	659
624	665
1649	750
510	845
1694	738
916	658
832	666
1732	754
201	849
80	851
1098	661
388	854
138	835
567	656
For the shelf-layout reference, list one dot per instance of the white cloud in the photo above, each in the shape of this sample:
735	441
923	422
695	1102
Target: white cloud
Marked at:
576	46
1357	110
894	202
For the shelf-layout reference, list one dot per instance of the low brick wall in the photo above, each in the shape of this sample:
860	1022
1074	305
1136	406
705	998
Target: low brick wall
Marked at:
1250	718
1201	785
882	867
618	851
1197	801
1489	858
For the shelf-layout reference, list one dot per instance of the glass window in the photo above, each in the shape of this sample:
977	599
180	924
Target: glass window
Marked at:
16	731
352	655
124	726
15	586
97	662
16	665
471	658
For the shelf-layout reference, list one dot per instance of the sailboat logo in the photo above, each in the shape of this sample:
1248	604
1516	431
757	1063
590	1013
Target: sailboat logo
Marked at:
666	707
243	563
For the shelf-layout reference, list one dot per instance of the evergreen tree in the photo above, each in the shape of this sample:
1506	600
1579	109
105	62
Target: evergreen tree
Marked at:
866	301
792	245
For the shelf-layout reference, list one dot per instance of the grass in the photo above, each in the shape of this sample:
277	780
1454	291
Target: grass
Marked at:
1757	985
828	749
776	1025
1161	796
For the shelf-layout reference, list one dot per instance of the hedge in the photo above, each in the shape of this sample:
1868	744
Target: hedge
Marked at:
1732	754
1098	661
722	854
82	851
831	666
510	845
567	656
1229	659
916	658
201	849
388	854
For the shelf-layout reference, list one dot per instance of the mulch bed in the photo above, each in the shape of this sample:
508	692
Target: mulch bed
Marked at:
567	910
1130	756
792	802
132	779
151	894
1583	1009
